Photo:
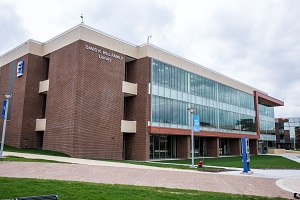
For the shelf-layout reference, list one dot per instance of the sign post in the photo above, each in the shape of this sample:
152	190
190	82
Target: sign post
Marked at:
192	110
246	154
4	111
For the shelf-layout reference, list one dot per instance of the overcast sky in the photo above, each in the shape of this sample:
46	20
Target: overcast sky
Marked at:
256	42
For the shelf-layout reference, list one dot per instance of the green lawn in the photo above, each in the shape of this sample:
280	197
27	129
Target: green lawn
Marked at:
21	187
256	162
34	151
20	159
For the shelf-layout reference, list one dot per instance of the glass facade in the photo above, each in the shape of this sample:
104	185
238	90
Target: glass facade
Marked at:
162	146
220	107
293	126
267	123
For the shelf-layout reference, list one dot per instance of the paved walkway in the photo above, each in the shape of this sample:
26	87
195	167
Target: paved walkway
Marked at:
292	156
260	183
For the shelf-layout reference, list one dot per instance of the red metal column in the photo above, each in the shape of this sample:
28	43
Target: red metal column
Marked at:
257	127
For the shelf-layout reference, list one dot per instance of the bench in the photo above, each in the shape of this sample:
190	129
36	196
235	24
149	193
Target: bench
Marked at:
43	197
276	151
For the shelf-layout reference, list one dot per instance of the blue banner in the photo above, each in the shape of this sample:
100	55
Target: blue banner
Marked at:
20	68
3	109
196	123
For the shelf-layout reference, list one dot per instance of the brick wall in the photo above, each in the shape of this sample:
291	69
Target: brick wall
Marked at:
99	105
235	146
183	146
60	104
33	101
287	137
202	133
212	147
138	109
26	101
85	103
13	126
253	146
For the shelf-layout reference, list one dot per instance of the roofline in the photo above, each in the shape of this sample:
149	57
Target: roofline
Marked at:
21	45
66	32
270	100
135	46
92	29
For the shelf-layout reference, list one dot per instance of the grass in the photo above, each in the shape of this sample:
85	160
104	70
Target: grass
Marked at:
256	162
171	165
21	159
22	187
34	151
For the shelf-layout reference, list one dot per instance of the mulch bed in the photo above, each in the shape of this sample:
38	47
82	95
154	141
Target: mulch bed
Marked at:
216	170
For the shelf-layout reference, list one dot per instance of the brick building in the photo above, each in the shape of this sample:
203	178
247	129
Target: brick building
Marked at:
287	132
91	95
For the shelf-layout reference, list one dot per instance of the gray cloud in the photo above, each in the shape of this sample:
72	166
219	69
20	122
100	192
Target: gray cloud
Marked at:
130	20
255	42
12	32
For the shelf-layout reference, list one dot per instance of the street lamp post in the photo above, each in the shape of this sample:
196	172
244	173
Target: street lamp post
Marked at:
192	110
7	96
295	141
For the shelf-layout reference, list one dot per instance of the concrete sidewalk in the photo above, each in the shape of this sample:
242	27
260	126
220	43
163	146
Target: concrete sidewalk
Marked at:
78	160
289	180
261	182
292	156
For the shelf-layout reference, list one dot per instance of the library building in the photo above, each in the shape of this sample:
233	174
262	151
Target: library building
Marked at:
88	94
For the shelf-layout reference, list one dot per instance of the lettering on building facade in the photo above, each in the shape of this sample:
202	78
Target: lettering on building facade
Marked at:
103	54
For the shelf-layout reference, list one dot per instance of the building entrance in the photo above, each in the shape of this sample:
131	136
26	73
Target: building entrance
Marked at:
224	147
200	149
163	146
261	147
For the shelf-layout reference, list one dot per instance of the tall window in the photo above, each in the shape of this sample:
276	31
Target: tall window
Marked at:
219	106
169	76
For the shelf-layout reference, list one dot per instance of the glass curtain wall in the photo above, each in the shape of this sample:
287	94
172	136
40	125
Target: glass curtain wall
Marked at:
267	125
219	106
168	76
293	126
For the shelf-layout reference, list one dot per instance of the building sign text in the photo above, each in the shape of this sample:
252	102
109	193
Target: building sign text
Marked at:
103	54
